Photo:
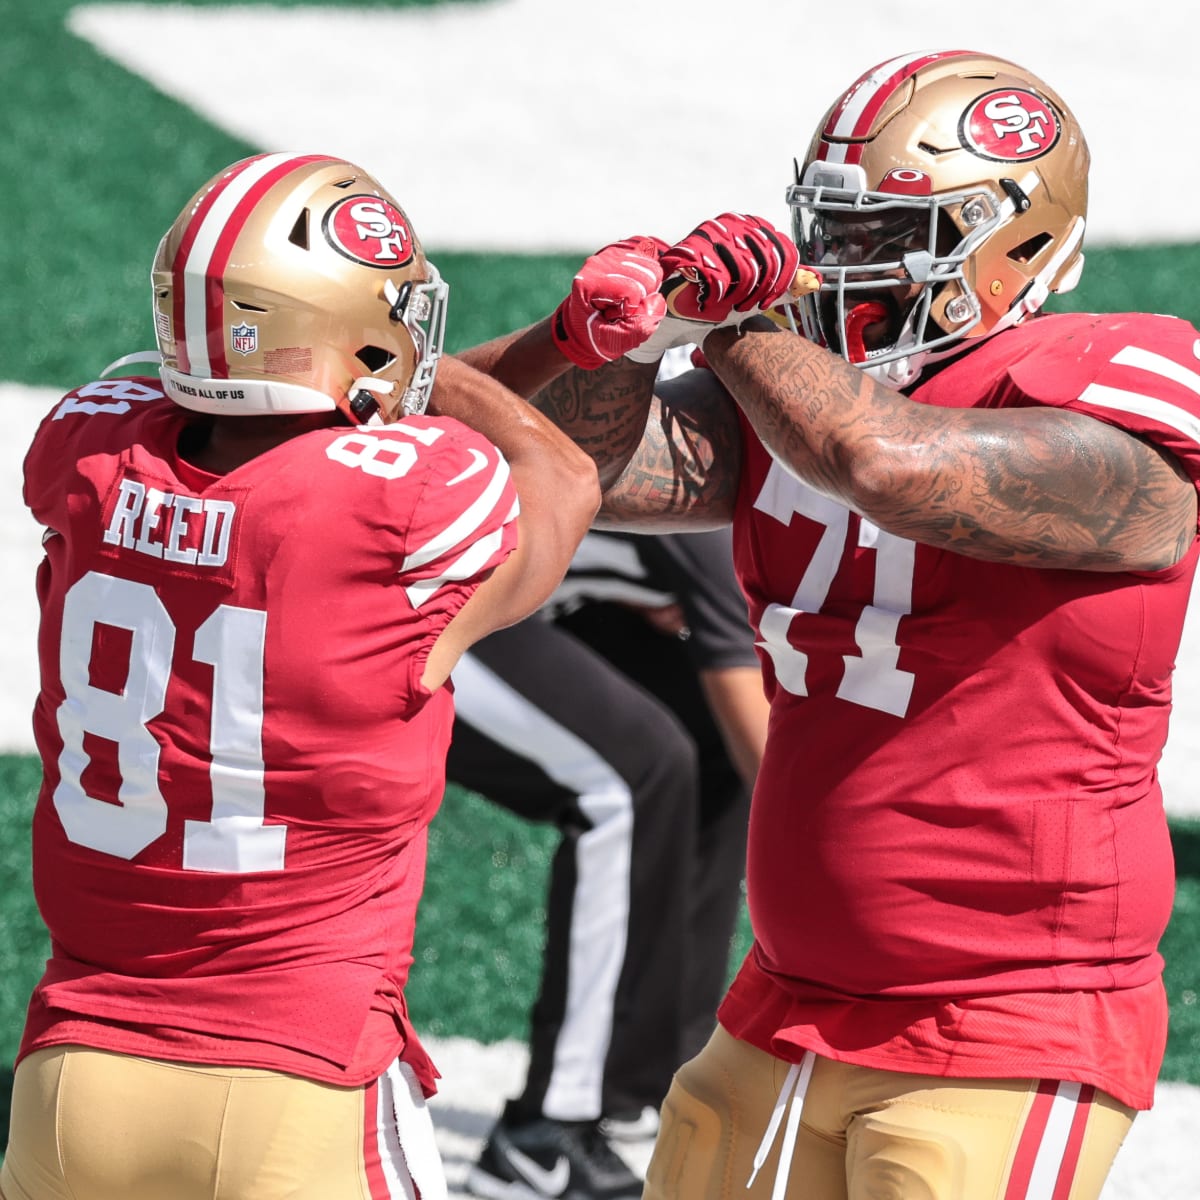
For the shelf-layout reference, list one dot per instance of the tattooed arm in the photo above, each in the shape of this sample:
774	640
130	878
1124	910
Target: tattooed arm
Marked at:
684	471
602	411
1039	487
667	460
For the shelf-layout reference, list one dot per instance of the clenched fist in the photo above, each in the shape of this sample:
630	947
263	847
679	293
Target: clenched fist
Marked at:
614	303
733	264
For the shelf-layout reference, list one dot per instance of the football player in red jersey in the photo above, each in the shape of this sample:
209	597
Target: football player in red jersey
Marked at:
967	532
261	564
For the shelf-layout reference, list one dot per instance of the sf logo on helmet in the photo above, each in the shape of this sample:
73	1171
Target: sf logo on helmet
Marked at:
1009	126
370	230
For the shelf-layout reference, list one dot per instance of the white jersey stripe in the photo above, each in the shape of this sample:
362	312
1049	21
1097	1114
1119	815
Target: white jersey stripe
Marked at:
1144	406
464	525
194	269
1053	1147
1159	364
464	567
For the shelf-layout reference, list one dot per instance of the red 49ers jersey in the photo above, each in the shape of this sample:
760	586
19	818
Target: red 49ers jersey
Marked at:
958	860
240	759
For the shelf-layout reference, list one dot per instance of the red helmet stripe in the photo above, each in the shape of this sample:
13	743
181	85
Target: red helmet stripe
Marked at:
182	254
854	114
204	253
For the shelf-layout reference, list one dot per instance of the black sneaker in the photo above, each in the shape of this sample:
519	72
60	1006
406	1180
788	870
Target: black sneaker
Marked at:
551	1160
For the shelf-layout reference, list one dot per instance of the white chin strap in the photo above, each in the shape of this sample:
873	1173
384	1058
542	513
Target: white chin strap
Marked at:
139	356
897	373
412	402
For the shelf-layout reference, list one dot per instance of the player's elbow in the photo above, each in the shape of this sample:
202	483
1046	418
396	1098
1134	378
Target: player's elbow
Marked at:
559	501
579	488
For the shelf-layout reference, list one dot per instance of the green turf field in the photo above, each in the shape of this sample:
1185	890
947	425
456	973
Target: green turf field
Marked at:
95	162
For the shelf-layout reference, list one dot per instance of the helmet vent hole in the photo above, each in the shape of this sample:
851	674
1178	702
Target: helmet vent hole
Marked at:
299	234
242	306
1028	250
375	358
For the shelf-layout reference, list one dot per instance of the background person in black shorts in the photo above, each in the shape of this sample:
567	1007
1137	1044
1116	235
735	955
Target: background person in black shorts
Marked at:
630	713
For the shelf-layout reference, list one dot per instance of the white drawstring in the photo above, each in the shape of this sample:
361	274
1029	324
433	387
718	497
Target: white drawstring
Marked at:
795	1087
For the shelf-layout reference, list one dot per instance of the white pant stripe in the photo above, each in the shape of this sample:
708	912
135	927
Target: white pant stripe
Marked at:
1053	1147
404	1129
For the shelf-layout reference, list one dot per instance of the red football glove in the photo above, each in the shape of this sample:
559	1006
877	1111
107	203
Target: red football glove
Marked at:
735	262
614	303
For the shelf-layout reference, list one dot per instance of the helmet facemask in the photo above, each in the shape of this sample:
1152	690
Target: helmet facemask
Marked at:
894	268
421	309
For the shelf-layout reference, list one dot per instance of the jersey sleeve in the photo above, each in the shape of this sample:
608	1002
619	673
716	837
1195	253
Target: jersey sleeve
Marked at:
89	419
1143	375
463	525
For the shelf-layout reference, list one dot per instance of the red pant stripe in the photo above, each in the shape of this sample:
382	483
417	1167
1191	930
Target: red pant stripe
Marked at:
376	1183
1070	1161
1030	1141
1048	1150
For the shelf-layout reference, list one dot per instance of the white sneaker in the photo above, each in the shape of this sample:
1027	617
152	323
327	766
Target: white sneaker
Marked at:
639	1127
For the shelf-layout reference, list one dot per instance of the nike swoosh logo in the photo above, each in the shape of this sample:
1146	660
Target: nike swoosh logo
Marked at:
552	1182
480	461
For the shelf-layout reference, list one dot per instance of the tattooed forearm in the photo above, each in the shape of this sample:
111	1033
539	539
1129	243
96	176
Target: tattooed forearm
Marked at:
685	471
1039	487
603	412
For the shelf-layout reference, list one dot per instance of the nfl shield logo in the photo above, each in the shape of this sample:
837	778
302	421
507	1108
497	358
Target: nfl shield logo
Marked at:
244	338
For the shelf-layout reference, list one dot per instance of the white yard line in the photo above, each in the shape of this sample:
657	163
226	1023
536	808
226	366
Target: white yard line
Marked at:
644	118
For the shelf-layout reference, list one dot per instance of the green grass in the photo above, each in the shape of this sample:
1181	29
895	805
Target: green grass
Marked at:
1181	949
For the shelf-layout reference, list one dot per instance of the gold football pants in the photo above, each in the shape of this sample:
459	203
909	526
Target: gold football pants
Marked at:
91	1125
854	1133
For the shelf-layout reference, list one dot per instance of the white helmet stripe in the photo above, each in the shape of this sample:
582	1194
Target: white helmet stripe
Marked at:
204	252
855	115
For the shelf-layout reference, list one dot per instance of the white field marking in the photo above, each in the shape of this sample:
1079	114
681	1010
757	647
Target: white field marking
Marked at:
20	552
1157	1161
537	125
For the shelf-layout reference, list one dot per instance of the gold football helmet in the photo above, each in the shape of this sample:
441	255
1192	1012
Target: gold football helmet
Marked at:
295	283
943	198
